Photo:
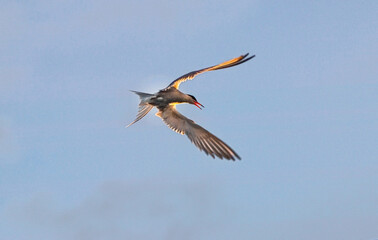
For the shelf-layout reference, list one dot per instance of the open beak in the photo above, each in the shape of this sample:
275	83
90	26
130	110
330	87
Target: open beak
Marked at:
199	105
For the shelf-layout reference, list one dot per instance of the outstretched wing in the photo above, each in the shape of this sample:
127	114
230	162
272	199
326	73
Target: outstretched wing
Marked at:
233	62
202	138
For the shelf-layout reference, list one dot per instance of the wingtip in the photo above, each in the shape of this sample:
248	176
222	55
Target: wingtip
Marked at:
236	156
245	55
250	57
129	124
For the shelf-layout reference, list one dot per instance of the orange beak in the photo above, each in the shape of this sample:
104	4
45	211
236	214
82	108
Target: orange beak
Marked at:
199	105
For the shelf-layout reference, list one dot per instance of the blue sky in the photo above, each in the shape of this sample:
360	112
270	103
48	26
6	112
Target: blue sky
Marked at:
303	116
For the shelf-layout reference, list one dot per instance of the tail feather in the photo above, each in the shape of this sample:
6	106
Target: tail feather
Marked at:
144	106
143	96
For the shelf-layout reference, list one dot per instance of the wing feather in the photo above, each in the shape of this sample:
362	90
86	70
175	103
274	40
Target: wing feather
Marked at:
200	137
143	110
230	63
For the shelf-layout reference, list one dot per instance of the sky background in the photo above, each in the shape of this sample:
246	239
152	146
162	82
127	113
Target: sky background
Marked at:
303	115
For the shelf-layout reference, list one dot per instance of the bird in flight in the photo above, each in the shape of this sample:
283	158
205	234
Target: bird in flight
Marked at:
166	100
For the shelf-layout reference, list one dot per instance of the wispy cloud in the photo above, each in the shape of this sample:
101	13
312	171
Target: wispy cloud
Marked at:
121	210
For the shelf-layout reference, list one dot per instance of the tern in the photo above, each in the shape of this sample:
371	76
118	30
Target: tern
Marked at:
166	100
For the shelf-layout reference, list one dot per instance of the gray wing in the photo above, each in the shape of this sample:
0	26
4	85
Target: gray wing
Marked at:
230	63
202	138
143	110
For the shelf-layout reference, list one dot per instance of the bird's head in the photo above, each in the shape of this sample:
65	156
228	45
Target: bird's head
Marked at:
193	101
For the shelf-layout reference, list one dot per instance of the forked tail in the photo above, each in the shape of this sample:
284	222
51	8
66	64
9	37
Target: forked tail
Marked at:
144	106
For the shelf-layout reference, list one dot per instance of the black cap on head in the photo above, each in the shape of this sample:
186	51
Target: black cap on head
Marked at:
192	97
